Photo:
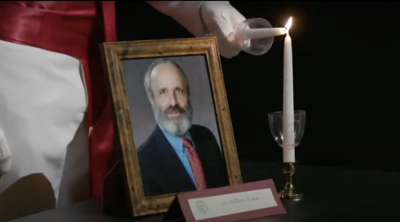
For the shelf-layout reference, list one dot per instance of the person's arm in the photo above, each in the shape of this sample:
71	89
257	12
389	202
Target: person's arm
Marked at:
205	17
186	13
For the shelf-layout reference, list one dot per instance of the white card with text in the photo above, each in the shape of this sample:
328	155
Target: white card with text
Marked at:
232	203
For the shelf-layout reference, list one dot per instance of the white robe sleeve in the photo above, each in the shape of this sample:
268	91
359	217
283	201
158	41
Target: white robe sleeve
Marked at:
186	13
5	154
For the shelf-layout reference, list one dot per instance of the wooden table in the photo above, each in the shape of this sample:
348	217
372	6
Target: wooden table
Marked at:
331	194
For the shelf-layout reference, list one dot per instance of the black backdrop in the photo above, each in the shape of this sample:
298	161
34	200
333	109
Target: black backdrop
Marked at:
346	58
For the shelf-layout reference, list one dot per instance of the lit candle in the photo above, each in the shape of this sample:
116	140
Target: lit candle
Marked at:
263	33
288	106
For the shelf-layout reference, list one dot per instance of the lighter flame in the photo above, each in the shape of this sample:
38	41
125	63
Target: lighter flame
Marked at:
288	24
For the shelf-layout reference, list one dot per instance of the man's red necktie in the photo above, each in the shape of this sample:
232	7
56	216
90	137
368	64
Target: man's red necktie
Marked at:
195	164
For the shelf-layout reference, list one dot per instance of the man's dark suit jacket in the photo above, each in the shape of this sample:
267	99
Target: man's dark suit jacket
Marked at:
163	172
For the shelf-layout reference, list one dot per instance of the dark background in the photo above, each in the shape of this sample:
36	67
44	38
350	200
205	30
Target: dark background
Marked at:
346	58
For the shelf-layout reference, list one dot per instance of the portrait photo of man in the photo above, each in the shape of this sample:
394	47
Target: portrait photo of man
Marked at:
178	155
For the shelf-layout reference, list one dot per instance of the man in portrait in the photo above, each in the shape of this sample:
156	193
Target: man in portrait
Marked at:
178	156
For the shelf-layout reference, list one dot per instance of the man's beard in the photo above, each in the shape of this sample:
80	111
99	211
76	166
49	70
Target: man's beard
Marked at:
177	126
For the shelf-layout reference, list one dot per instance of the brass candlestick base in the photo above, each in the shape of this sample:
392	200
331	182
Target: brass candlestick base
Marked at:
288	191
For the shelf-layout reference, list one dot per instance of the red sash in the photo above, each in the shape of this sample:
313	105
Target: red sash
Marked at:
75	28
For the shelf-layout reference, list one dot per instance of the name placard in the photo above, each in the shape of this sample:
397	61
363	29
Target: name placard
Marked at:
232	203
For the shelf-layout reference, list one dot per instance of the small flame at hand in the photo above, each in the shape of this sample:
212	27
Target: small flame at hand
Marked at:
288	24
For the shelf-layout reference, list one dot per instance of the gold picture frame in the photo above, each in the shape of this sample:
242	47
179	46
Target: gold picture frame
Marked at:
115	52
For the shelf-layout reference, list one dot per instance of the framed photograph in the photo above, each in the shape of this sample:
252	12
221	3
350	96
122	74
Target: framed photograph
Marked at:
171	118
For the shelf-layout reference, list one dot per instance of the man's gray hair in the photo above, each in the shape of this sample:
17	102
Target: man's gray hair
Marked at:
147	77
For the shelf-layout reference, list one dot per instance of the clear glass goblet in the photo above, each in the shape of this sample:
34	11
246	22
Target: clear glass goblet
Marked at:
275	120
256	46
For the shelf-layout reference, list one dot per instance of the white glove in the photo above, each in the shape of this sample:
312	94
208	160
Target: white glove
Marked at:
5	154
205	17
221	18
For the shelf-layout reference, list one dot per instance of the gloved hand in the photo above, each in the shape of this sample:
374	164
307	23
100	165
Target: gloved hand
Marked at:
5	154
200	18
221	18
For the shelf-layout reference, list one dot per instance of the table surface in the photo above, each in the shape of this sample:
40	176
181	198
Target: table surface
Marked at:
331	194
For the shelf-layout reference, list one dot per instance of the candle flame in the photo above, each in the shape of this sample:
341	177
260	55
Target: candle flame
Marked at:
288	24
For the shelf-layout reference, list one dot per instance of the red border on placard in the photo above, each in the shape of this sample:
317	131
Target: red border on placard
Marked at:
264	184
